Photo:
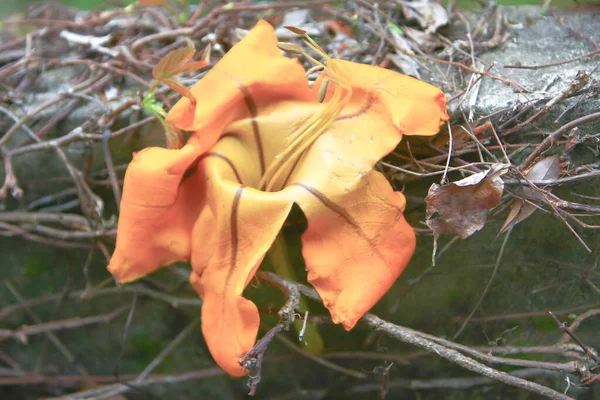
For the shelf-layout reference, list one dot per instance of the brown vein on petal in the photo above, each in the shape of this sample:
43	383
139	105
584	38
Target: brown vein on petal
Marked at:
340	211
234	234
253	113
228	161
189	172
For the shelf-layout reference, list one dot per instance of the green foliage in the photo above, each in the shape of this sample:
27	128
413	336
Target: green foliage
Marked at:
544	323
35	266
455	296
144	347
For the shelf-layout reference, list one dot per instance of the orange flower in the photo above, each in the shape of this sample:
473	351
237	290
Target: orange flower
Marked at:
261	142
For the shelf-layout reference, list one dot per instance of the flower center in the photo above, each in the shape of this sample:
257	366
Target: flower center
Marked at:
277	174
273	134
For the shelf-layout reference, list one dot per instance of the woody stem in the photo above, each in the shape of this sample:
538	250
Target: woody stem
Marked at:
282	265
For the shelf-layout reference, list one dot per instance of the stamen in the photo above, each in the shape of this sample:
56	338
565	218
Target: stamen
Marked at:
308	41
310	131
315	47
313	60
306	135
314	69
291	48
295	30
323	89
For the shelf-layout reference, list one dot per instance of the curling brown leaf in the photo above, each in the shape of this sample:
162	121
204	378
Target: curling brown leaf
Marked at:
544	170
178	62
461	208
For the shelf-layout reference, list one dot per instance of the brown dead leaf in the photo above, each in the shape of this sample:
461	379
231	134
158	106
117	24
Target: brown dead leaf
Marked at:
179	88
406	64
429	14
426	41
547	169
461	208
178	62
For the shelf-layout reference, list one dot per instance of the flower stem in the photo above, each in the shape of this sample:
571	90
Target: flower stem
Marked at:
279	258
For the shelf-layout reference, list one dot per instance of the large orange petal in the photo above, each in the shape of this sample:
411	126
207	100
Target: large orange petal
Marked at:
230	239
357	242
253	72
158	209
415	107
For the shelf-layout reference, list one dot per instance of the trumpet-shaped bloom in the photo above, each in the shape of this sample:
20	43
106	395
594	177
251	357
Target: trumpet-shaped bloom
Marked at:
261	142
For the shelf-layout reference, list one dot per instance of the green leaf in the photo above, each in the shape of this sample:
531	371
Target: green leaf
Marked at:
395	28
155	108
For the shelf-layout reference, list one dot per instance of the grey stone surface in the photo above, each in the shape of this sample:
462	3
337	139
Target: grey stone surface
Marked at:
537	39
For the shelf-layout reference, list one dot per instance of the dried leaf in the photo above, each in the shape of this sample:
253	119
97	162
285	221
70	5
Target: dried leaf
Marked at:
181	89
547	169
177	62
429	14
404	62
461	208
426	41
337	27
